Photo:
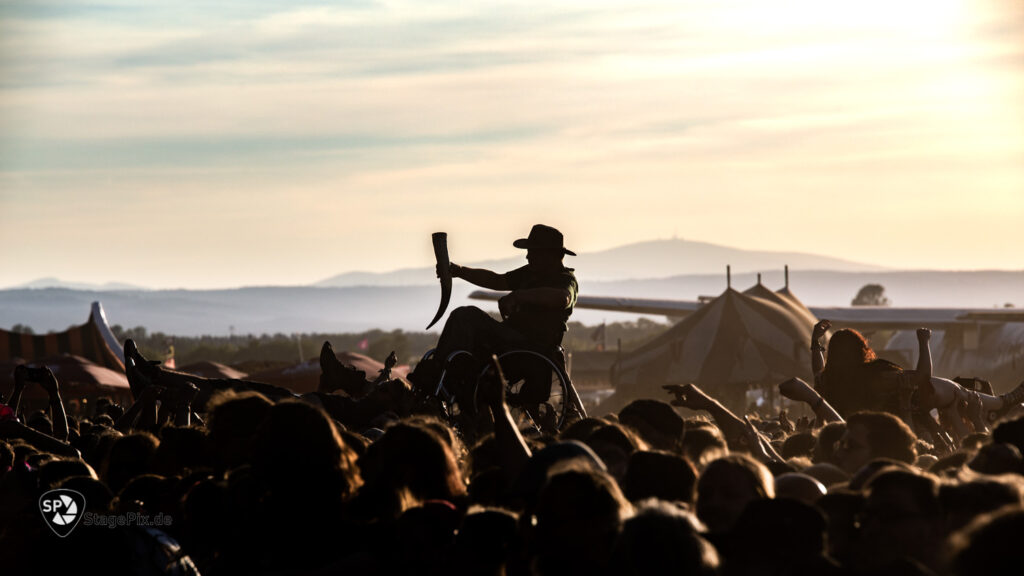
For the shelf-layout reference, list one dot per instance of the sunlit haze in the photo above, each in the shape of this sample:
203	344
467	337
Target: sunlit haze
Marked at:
190	144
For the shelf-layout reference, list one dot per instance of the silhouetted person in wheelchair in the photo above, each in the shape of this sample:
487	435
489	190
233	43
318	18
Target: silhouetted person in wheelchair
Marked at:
534	312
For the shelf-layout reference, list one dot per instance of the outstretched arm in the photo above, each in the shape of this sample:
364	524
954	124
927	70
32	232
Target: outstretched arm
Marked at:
14	429
799	391
479	276
692	397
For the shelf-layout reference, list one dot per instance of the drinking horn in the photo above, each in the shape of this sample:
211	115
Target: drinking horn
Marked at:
440	240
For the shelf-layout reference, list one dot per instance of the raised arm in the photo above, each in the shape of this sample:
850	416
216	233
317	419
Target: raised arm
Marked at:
799	391
510	443
924	356
20	380
818	350
49	383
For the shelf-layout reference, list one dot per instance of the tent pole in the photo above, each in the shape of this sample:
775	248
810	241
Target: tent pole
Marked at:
787	275
728	276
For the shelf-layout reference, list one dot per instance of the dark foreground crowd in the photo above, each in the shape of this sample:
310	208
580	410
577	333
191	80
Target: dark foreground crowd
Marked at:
223	477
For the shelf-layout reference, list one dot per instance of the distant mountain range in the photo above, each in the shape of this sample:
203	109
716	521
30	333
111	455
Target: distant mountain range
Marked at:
355	309
50	282
406	299
648	260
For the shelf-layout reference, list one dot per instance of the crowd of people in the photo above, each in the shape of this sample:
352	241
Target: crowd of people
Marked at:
359	478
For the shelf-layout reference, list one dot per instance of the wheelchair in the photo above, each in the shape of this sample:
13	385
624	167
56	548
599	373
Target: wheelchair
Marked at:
539	392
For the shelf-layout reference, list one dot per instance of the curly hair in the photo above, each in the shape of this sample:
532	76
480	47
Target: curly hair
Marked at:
848	349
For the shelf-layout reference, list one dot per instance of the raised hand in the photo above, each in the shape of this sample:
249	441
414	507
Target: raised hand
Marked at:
924	334
689	396
784	421
820	329
47	381
453	270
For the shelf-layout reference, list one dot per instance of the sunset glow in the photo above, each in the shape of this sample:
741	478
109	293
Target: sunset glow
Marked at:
174	144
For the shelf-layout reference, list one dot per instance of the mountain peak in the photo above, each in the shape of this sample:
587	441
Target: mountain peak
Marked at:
648	259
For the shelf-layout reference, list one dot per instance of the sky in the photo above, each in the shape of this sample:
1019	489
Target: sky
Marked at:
202	145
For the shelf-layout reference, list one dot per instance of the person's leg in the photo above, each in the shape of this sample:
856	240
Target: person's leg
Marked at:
470	329
141	373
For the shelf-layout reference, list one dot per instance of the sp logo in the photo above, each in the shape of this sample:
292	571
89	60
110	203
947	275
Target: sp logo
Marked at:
62	509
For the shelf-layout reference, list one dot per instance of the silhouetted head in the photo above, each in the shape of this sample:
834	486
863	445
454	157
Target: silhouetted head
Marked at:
181	449
233	421
614	444
656	421
848	349
660	475
902	516
56	471
871	435
963	502
703	442
727	486
129	457
485	542
662	539
409	464
578	516
1010	432
299	450
778	534
990	544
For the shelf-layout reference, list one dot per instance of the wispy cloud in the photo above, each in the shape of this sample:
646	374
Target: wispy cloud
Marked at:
624	119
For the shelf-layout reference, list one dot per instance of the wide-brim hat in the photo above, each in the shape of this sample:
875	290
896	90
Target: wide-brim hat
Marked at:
545	238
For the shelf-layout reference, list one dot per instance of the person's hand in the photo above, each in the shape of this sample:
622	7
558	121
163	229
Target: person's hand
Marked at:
819	330
20	377
924	334
799	391
508	304
48	382
784	422
453	270
688	396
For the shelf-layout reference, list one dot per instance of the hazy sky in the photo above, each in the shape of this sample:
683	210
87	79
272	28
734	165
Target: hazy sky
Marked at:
204	144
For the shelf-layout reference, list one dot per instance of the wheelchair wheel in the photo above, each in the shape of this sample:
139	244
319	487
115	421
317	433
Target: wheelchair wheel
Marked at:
537	393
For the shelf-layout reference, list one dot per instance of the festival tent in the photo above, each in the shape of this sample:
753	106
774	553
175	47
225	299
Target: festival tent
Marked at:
207	369
733	343
92	341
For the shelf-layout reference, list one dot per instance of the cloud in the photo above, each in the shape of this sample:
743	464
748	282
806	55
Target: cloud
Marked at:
629	120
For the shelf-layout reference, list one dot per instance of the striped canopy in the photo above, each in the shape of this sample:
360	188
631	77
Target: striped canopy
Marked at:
85	341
